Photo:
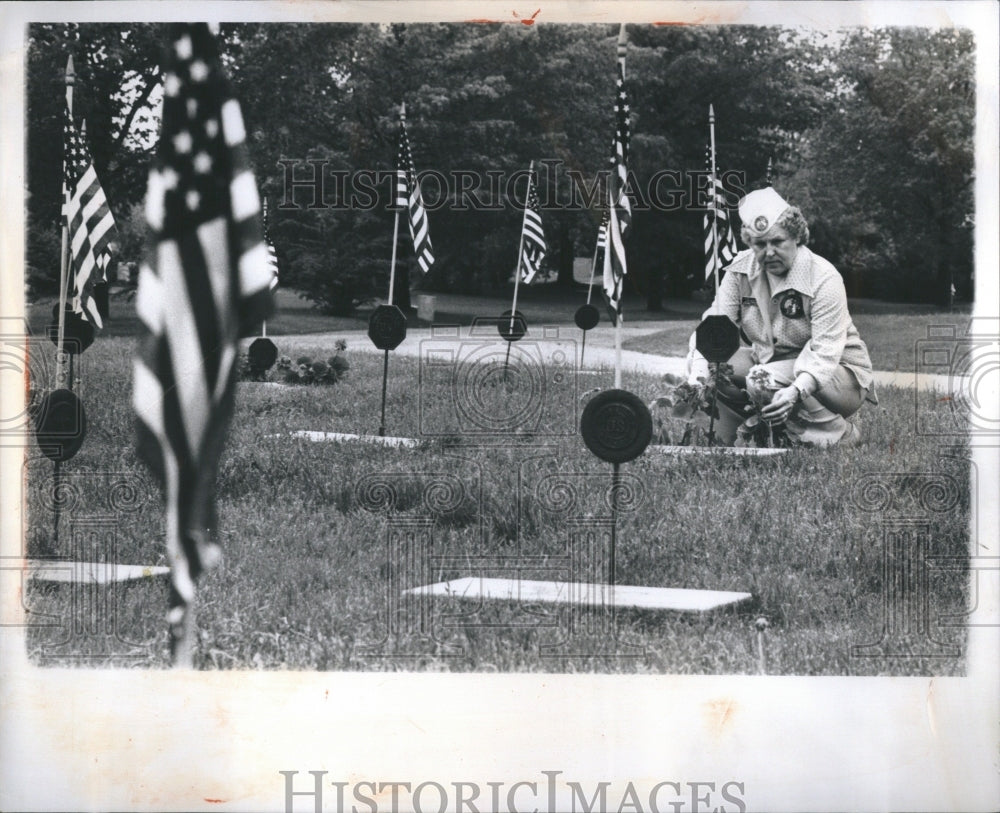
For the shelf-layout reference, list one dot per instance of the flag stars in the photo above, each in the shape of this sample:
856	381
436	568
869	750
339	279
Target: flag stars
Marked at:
182	142
169	178
172	85
202	163
192	199
211	127
183	47
199	71
192	108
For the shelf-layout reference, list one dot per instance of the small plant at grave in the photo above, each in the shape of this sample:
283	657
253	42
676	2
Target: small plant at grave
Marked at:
755	431
304	370
682	415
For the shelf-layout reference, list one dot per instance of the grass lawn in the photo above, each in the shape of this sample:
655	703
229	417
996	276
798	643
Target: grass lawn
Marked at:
891	337
314	534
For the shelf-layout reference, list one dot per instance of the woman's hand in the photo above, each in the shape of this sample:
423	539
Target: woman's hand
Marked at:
781	405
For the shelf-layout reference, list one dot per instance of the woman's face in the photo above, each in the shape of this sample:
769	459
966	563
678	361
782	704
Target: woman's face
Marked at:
775	251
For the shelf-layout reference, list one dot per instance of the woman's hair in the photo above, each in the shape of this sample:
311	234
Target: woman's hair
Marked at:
792	221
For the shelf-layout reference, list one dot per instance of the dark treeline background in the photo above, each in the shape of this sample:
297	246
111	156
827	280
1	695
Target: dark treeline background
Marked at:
871	133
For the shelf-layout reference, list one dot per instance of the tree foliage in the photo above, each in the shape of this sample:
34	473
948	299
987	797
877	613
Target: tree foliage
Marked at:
871	134
888	176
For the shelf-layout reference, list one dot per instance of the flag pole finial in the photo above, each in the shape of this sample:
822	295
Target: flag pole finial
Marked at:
402	110
711	114
70	73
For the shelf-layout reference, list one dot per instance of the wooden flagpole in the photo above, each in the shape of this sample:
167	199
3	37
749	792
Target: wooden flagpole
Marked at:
622	41
263	324
64	254
590	293
517	268
395	228
392	288
715	213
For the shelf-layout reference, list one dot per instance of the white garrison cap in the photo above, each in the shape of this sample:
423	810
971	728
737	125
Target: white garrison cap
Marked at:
760	210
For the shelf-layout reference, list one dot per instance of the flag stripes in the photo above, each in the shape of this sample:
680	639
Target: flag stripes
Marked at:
89	222
408	197
272	255
619	203
532	235
203	284
717	211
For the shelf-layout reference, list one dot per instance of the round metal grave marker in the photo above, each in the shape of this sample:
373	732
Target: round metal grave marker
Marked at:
262	353
587	317
717	338
520	327
387	327
616	426
60	425
78	333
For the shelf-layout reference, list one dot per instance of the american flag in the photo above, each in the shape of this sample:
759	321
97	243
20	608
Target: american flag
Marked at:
90	225
101	275
272	255
408	198
532	234
202	286
724	229
620	205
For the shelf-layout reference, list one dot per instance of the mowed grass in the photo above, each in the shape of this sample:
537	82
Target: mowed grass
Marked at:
312	572
891	337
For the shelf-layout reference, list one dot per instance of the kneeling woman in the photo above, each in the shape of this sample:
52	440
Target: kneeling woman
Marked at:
791	306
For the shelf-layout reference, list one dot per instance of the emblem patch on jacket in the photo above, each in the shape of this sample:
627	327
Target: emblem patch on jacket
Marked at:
791	305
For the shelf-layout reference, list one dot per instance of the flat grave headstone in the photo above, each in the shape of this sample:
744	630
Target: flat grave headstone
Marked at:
343	437
577	593
67	572
725	451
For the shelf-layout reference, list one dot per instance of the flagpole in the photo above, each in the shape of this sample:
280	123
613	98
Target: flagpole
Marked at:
520	249
395	228
517	271
385	358
715	213
622	44
392	288
767	180
590	292
64	253
593	272
263	324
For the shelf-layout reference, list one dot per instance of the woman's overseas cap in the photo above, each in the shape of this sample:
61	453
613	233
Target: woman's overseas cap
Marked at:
760	210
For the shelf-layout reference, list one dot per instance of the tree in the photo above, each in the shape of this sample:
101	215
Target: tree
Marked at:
117	70
888	178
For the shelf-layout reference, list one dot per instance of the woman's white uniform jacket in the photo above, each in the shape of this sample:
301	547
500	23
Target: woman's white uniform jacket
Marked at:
802	315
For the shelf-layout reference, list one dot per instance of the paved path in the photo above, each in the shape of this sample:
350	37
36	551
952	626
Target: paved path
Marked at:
599	353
